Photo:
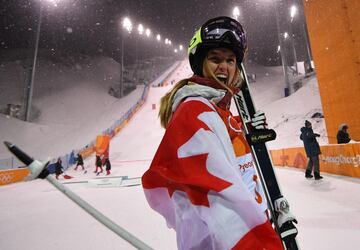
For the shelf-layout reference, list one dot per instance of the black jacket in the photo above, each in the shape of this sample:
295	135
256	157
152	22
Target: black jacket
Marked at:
342	137
80	160
107	164
312	147
58	168
98	162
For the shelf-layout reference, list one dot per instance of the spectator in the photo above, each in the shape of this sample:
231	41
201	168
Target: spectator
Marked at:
312	149
79	162
108	166
342	135
98	164
58	168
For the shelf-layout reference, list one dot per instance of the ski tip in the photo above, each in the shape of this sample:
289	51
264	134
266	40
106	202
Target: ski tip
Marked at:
8	144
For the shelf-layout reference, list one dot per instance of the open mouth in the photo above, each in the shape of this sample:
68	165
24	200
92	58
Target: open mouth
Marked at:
222	78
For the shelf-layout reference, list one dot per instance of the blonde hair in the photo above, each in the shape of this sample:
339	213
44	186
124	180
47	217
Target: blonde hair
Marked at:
166	101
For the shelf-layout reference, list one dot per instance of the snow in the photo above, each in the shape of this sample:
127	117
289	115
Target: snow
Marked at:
34	215
287	115
75	108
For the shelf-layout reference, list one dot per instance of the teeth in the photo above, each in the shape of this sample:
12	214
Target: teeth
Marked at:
221	76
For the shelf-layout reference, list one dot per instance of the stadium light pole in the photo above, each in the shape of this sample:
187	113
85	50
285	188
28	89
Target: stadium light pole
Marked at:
127	25
309	67
293	11
147	35
140	30
30	85
148	32
282	52
281	47
236	12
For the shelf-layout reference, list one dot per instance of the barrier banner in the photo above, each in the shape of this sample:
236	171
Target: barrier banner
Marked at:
121	126
87	151
72	159
340	159
13	175
102	146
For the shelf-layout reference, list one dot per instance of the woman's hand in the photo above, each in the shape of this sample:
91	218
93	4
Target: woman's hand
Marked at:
259	120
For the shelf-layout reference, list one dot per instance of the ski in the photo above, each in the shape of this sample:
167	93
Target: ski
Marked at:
38	170
282	218
104	182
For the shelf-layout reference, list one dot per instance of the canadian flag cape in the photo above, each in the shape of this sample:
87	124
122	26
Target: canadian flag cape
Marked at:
194	182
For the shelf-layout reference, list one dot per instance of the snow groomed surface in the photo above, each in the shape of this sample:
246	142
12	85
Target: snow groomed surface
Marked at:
328	211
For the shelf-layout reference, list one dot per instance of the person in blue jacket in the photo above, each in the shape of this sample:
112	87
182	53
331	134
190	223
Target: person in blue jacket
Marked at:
312	149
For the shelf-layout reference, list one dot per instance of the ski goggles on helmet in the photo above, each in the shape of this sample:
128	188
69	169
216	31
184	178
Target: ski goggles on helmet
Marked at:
218	32
223	30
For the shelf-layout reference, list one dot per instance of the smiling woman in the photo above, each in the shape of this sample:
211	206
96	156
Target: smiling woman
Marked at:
202	178
221	64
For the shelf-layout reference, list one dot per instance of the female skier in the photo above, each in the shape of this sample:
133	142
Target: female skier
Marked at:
202	178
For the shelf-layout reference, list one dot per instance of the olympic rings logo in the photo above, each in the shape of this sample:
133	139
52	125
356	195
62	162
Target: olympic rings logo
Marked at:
6	178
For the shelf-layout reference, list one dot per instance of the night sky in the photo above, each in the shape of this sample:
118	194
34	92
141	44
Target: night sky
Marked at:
93	26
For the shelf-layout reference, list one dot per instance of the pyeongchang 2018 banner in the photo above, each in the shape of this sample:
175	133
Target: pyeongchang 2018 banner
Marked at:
340	159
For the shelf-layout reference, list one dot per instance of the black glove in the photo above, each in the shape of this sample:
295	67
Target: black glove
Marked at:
259	132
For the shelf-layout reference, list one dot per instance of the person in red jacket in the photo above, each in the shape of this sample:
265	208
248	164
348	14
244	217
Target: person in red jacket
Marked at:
202	178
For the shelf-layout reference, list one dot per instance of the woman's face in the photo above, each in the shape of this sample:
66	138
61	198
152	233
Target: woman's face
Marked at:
222	62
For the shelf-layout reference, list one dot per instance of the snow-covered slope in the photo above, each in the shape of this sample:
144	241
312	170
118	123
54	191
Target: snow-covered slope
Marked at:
287	116
36	216
71	105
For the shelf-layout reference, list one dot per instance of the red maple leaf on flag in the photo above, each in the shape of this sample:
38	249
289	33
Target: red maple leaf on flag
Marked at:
188	174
